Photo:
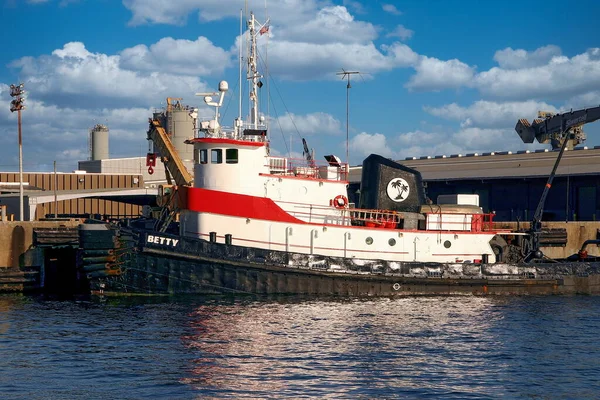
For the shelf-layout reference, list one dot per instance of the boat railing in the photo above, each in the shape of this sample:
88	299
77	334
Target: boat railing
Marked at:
375	218
303	169
244	133
319	214
348	216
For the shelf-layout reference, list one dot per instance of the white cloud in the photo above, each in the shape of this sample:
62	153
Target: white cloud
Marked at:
355	6
391	9
540	74
326	38
72	50
73	75
312	42
177	56
518	59
163	11
584	100
463	141
364	144
303	21
329	25
311	61
437	143
401	32
490	114
309	124
435	74
52	133
560	77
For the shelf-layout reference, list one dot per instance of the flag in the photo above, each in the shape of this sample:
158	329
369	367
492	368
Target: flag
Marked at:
264	29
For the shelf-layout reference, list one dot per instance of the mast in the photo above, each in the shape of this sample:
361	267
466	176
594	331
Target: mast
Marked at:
253	73
238	122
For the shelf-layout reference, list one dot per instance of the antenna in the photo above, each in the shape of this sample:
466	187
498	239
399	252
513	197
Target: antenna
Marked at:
346	75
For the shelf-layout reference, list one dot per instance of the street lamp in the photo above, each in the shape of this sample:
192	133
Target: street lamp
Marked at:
17	105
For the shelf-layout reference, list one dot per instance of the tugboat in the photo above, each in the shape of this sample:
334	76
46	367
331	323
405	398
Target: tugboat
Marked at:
249	222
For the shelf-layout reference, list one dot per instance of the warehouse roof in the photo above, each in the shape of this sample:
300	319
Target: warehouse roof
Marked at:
498	165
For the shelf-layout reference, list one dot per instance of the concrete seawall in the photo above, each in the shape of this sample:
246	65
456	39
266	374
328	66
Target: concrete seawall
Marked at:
577	233
21	262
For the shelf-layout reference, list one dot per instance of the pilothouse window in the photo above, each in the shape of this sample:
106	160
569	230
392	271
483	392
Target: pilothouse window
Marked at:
231	156
216	156
203	156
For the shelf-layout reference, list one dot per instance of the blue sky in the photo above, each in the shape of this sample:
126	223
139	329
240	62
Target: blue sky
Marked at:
437	77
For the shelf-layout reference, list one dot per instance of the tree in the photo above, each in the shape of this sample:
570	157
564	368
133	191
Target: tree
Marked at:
401	187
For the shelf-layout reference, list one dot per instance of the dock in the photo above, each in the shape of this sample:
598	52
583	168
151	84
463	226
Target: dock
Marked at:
37	255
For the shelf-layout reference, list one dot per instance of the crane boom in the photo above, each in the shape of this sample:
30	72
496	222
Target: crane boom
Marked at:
173	162
552	127
565	128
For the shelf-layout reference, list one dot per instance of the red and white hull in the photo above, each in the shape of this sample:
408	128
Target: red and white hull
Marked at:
262	223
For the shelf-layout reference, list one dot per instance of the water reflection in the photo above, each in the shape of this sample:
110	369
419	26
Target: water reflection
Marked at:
329	348
417	347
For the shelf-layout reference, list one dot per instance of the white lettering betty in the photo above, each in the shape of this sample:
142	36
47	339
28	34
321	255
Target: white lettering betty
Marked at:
162	240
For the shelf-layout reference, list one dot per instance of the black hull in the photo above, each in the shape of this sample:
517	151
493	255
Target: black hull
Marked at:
196	266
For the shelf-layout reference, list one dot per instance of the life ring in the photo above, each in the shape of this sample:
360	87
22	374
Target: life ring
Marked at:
340	201
150	170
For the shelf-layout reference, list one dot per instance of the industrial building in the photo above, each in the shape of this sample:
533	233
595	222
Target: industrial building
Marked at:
101	186
511	184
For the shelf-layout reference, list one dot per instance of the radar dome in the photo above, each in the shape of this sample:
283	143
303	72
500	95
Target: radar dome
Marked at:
223	86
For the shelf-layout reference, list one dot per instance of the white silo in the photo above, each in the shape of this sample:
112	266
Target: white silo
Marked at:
180	127
99	142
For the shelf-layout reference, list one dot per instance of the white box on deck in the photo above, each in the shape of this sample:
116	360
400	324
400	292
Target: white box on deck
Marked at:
449	222
328	172
472	199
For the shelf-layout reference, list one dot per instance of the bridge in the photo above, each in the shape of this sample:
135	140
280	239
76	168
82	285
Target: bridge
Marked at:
32	199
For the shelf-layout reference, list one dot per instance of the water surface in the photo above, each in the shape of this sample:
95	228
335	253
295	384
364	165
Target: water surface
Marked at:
222	347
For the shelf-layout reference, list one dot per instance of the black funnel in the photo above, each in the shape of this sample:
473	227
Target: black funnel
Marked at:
387	185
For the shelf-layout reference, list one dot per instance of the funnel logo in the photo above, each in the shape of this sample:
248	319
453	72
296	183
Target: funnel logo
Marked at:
398	190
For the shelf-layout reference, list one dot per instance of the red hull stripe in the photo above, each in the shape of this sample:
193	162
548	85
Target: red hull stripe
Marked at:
237	205
226	141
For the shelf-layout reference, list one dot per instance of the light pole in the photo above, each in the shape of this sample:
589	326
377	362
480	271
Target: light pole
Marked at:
17	105
346	75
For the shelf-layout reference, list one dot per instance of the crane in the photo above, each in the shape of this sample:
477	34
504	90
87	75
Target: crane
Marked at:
566	129
173	166
553	128
158	136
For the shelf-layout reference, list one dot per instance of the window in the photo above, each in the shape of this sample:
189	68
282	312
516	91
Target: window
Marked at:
203	156
216	156
231	156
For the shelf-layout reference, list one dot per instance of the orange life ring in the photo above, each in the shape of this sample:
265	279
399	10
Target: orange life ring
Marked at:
340	201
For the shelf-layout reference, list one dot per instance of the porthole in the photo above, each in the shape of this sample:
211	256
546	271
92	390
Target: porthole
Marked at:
447	244
369	240
392	242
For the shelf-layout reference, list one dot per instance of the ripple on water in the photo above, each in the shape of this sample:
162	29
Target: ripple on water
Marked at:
417	347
